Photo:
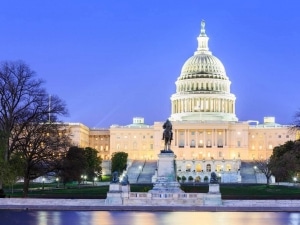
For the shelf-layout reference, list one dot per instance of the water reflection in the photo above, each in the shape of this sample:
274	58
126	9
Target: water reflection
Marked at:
146	218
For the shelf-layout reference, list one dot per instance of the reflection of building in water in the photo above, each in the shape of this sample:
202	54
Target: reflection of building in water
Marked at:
207	135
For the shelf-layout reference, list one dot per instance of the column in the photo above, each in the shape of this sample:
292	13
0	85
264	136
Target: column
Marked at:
223	137
226	137
215	137
204	138
188	137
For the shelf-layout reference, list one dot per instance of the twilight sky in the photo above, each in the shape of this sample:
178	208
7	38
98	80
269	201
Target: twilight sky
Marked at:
112	60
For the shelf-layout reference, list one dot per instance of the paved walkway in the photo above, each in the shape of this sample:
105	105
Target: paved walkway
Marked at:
99	205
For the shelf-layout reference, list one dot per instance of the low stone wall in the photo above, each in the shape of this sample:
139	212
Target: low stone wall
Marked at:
261	203
152	199
99	204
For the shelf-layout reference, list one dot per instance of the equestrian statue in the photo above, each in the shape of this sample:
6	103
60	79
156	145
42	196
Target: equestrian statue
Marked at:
167	135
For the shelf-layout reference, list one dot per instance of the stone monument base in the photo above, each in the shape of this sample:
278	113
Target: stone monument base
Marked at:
213	197
163	186
114	195
214	189
165	178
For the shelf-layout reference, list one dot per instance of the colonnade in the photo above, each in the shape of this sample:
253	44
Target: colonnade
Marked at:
203	105
203	86
201	138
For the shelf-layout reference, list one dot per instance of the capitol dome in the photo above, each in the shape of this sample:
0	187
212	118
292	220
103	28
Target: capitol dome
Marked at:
203	88
203	65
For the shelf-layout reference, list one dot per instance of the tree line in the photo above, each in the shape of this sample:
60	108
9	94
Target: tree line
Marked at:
33	140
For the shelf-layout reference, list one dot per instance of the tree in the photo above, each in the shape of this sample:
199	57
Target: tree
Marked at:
11	171
205	179
296	124
285	160
183	178
93	168
41	150
264	167
178	178
74	165
119	161
190	178
26	117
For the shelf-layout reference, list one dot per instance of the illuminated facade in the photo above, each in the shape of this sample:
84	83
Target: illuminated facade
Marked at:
205	126
207	135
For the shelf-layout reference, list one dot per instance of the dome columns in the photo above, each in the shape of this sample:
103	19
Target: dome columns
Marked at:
203	104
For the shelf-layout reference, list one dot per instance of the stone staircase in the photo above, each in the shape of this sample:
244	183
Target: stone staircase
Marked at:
147	172
247	172
134	170
141	171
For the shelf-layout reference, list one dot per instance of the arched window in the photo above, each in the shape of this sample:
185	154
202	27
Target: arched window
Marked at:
208	168
188	168
219	167
228	167
198	168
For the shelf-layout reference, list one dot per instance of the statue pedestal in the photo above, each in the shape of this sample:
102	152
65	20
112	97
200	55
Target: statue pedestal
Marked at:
166	177
214	188
114	195
213	197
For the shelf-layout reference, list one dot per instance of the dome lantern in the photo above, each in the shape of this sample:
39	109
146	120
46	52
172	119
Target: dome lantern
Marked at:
202	41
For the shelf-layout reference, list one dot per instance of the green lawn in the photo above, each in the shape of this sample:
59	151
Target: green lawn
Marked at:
251	191
228	191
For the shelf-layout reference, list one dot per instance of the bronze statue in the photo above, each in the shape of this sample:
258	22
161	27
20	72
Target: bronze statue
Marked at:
115	177
213	178
167	135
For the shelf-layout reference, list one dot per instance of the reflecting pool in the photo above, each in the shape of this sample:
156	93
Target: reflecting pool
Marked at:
23	217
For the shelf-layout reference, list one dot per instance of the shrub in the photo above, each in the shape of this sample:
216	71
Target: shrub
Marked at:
206	179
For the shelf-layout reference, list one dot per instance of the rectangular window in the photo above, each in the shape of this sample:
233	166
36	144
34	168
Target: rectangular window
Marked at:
192	145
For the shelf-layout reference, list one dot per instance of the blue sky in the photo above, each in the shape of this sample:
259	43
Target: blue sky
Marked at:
112	60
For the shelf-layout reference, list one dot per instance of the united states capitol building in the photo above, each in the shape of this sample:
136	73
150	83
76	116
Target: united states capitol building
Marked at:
207	135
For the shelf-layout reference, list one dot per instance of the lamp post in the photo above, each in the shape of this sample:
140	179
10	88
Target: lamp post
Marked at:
43	183
295	180
57	180
95	180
